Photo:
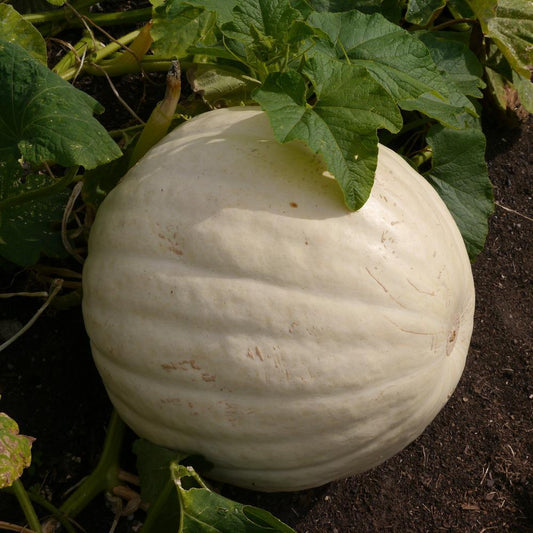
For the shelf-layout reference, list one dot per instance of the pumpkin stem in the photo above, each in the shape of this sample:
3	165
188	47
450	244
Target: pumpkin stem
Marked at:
161	118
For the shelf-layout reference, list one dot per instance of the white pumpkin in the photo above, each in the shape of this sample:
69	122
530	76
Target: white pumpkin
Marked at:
238	310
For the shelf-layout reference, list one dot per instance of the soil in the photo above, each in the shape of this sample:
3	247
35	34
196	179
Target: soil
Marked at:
470	471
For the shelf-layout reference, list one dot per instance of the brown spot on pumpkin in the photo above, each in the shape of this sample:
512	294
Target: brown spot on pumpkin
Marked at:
192	364
452	337
181	365
293	204
170	366
170	400
208	377
172	242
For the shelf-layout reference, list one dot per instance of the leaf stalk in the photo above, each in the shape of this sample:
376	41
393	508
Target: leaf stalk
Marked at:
26	506
101	19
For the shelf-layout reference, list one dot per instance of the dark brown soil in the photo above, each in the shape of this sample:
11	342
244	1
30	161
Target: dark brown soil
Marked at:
471	470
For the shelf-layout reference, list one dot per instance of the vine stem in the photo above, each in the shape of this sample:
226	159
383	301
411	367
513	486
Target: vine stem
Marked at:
102	19
57	284
53	510
99	55
106	474
422	157
453	22
26	506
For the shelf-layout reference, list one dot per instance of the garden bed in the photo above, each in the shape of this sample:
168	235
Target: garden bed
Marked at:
471	470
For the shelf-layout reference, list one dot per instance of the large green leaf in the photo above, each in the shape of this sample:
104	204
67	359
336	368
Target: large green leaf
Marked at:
178	26
180	501
44	118
205	511
451	52
341	125
397	60
15	451
459	174
510	24
16	29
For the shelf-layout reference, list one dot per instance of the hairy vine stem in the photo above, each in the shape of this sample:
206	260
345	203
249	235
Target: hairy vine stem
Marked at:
57	284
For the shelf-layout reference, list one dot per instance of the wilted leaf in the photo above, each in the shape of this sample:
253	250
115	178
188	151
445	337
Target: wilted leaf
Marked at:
221	86
510	24
15	451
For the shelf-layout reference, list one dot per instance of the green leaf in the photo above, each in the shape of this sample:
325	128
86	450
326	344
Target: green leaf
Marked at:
153	463
99	181
181	502
178	26
455	60
341	126
15	451
30	228
459	174
390	9
397	60
15	29
264	32
44	118
510	24
205	511
421	12
269	18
